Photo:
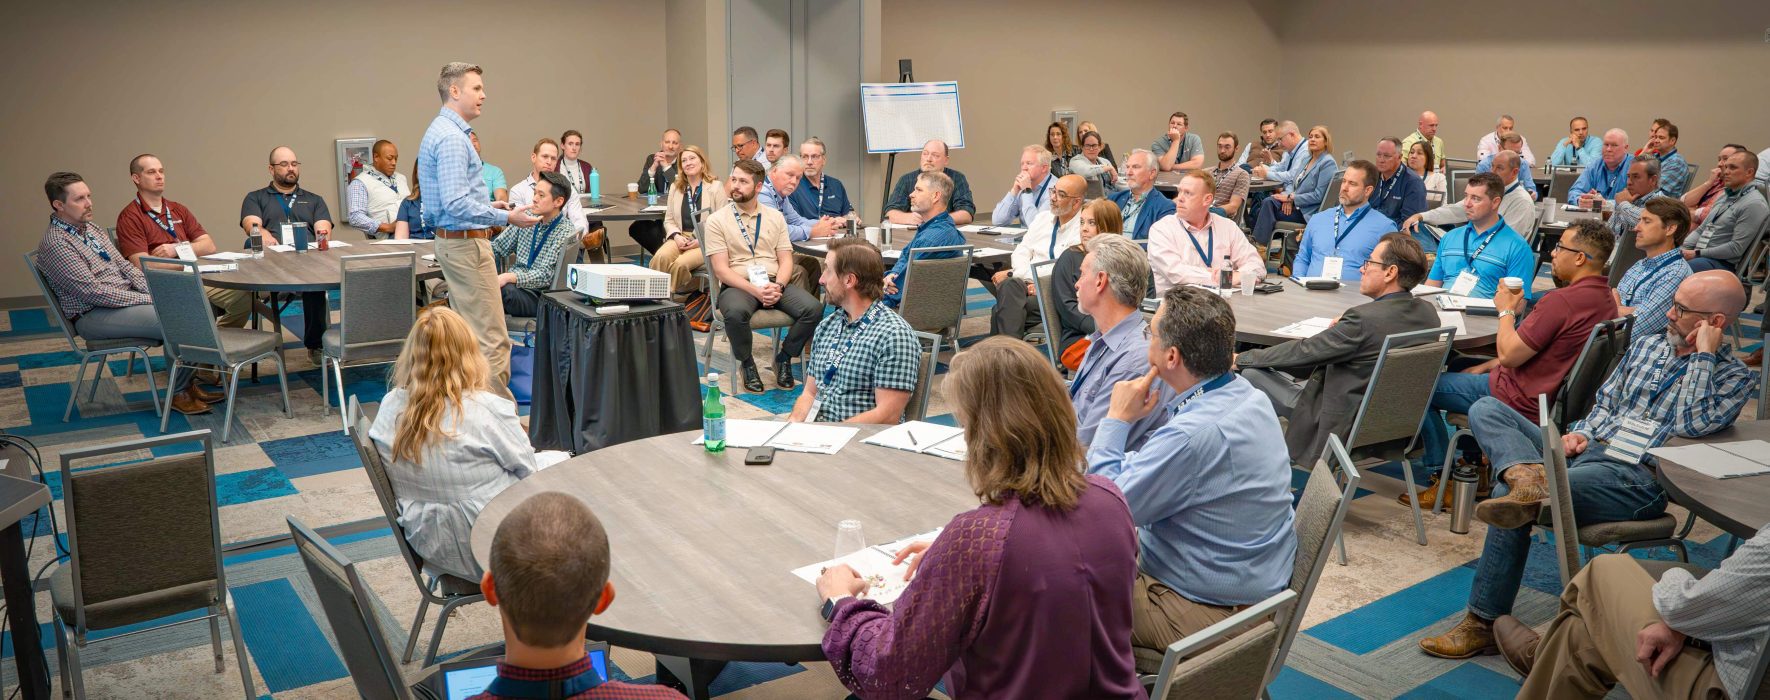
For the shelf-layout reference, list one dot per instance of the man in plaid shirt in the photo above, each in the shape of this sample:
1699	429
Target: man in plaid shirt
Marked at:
101	295
1684	382
865	359
537	248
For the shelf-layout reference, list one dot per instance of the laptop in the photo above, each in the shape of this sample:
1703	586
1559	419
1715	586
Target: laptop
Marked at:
459	680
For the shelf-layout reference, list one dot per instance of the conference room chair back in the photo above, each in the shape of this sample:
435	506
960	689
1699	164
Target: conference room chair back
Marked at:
129	564
1604	350
1052	323
934	290
1321	512
1561	181
1395	402
1229	659
192	338
1760	678
1622	257
446	591
1290	233
773	320
375	314
1571	552
917	409
350	608
1752	272
1448	164
561	274
1459	181
89	350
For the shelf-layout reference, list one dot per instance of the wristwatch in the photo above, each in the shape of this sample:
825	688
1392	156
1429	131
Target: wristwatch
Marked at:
1508	312
828	610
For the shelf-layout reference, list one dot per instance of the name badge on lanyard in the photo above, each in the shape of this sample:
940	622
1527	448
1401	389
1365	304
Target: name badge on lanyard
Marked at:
1465	284
829	376
1634	436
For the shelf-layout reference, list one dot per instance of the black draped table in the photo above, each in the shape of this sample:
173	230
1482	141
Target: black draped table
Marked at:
602	380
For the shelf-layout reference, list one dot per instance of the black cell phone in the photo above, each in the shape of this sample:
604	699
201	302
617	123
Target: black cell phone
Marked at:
759	456
1272	288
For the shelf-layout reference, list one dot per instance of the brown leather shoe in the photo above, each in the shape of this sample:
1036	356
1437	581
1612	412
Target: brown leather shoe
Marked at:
1517	643
1471	637
207	376
204	395
1521	506
1428	496
188	405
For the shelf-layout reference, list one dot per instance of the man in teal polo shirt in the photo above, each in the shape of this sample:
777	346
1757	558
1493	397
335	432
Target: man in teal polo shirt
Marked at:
1472	259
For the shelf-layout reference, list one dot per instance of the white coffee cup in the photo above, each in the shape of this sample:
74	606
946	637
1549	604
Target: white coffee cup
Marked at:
872	234
632	189
1514	283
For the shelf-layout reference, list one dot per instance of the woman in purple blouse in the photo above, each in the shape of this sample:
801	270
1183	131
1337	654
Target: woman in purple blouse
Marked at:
1029	595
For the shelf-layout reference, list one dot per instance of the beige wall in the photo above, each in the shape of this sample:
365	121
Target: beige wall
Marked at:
211	88
1017	62
1366	69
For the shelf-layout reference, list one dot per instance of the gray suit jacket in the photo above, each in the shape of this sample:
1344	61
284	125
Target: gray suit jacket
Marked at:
1339	362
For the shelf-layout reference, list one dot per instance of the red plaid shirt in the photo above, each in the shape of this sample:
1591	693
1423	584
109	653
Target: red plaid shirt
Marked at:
82	279
611	690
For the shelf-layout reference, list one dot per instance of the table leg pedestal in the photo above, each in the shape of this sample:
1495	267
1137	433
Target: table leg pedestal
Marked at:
692	676
21	610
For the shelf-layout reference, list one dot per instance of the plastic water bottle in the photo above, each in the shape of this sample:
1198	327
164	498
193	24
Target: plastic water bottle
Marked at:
595	185
257	242
1226	275
713	416
651	192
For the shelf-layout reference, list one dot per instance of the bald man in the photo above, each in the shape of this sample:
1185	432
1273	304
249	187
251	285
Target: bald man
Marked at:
1684	382
934	160
1427	131
275	212
1049	233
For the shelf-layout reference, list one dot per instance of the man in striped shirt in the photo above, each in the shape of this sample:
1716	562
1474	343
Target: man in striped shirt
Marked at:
1684	383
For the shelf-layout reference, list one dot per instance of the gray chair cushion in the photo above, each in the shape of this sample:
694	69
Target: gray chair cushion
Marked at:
1148	660
109	343
130	610
329	344
456	586
244	343
1602	534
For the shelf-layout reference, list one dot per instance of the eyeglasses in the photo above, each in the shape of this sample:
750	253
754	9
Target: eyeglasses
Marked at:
1679	309
287	164
1373	261
736	146
1558	246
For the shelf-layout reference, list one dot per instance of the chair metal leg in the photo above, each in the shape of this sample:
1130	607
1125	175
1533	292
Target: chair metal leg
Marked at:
171	381
74	393
233	626
442	623
1413	501
326	387
1342	539
283	381
75	672
215	638
227	418
417	628
61	657
97	378
338	372
153	388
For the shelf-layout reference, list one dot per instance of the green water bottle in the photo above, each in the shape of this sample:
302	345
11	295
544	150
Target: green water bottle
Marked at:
713	416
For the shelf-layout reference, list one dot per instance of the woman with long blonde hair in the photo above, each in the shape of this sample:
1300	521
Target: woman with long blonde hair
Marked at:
694	195
997	598
449	443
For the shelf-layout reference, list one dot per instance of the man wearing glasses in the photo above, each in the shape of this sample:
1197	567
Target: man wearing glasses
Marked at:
746	146
275	212
1534	354
1684	383
1048	234
1337	363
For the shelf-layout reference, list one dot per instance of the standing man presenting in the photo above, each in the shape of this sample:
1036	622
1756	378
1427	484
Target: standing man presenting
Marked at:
450	183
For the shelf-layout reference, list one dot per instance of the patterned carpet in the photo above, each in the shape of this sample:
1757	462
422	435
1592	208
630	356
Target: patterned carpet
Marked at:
1359	637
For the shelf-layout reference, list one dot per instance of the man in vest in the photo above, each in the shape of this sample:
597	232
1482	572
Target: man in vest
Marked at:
373	197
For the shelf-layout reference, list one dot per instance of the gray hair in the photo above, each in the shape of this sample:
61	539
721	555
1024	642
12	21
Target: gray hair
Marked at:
1651	162
939	182
787	160
1505	118
1618	132
1043	155
1288	127
452	73
1507	159
1146	154
814	141
1125	264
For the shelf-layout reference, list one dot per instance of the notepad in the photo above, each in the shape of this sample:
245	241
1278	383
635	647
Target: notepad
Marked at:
395	241
922	438
654	209
228	255
811	437
747	433
1719	460
223	267
1426	290
1452	302
1454	320
886	581
1305	328
281	248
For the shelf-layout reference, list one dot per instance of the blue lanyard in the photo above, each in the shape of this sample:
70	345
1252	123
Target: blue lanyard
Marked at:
1216	383
1666	385
540	239
1040	195
1204	253
1383	194
1340	237
167	224
503	687
835	364
1468	235
1610	177
1051	254
287	201
1516	183
745	231
84	236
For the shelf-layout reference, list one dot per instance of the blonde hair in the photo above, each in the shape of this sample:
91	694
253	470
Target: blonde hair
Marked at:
681	183
1107	218
1020	434
438	367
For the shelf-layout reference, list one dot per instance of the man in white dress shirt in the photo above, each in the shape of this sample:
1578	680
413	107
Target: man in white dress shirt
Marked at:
543	159
1049	233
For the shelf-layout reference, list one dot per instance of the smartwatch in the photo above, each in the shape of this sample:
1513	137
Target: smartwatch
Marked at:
828	610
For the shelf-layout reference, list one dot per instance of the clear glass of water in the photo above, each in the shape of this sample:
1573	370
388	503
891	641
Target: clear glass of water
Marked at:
849	538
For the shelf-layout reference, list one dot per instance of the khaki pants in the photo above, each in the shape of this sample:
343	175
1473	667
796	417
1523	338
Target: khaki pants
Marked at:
472	275
681	264
235	305
1591	644
1160	617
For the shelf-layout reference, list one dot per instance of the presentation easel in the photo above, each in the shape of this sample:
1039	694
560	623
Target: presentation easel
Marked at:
902	117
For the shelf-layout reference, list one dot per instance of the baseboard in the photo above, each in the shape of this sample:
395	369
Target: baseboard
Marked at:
35	301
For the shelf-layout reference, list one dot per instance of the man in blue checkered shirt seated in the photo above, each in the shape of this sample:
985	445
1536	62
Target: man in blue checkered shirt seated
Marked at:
864	357
535	249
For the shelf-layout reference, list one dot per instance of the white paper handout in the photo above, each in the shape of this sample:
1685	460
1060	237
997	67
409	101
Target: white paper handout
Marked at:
338	244
810	437
228	255
922	438
221	267
655	208
1452	302
281	248
886	582
748	433
395	241
1306	327
1426	290
1716	460
1454	320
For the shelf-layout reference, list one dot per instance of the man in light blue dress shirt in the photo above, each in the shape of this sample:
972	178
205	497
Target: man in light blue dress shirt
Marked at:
1606	176
1296	152
1579	149
783	179
1210	491
452	186
1114	278
1031	191
1337	242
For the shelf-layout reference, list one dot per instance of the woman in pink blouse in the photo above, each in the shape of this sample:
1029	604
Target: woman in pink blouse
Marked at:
1028	595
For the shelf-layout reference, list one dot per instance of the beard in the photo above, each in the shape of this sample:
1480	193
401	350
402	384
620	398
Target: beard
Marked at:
289	180
1677	339
744	198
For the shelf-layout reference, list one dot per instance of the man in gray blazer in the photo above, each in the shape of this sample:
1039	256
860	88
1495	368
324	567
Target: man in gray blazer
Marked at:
1338	361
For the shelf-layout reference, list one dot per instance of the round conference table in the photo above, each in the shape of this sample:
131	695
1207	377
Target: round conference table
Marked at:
1169	182
1258	317
617	207
703	546
1740	506
311	271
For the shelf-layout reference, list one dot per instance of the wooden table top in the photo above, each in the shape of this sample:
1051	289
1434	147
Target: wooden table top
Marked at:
990	247
704	546
1741	506
311	271
620	208
1169	182
1258	316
